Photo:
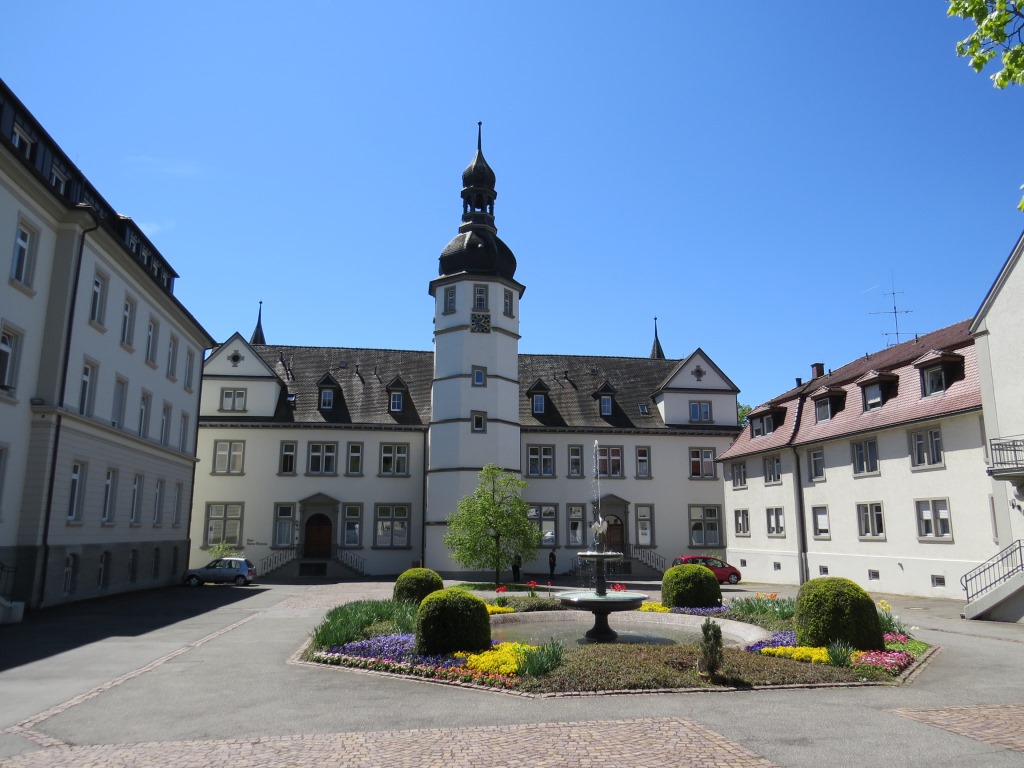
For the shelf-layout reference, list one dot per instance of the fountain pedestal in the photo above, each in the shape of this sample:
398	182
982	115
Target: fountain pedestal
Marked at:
600	602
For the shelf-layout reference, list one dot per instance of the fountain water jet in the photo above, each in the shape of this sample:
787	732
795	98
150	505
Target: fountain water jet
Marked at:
598	601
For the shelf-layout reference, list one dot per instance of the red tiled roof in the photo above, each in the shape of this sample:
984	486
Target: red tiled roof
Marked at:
906	405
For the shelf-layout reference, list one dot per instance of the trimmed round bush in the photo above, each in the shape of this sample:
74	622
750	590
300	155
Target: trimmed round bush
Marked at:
417	583
832	608
451	620
690	586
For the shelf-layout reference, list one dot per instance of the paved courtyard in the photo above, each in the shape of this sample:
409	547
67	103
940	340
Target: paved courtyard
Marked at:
203	678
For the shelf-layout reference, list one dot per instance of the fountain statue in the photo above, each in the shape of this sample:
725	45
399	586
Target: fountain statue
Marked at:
599	601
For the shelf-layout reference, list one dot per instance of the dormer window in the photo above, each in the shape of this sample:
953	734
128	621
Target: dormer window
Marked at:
397	391
606	405
822	410
934	380
828	401
877	388
762	425
538	404
22	142
326	399
397	402
643	408
700	410
872	397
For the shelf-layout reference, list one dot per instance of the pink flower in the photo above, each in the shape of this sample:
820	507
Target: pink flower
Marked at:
531	584
618	587
500	589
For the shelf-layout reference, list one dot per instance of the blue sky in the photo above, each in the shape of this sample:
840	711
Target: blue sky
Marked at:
758	177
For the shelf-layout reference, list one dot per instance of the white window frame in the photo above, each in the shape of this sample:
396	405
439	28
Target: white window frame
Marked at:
152	340
741	522
233	400
228	457
120	404
326	399
772	469
480	299
933	380
870	520
478	421
739	474
10	352
540	461
449	300
576	527
702	464
109	507
128	322
158	503
776	522
87	392
98	300
820	523
287	459
394	460
926	448
643	462
872	397
284	524
864	454
391	526
609	456
509	306
322	458
76	491
644	525
23	262
575	461
479	376
183	432
761	426
354	459
705	529
224	523
145	408
606	405
179	492
190	369
397	402
822	410
816	463
934	521
538	404
352	526
544	517
166	416
700	411
172	358
138	488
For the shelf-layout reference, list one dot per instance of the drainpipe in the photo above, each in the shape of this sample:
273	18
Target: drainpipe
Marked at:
798	493
41	585
423	506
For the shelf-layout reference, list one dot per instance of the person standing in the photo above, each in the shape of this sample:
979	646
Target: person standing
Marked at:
517	564
552	562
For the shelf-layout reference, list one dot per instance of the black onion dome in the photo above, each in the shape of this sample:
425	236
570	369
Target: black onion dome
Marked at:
477	249
478	173
479	252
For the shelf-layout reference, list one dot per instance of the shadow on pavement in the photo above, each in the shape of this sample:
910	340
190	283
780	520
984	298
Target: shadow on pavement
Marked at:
51	631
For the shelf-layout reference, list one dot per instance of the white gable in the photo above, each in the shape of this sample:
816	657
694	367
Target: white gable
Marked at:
698	371
697	393
236	358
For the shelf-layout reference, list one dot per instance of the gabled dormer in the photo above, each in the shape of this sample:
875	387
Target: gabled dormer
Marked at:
538	394
828	401
328	391
398	394
938	370
877	388
238	383
605	397
697	393
766	419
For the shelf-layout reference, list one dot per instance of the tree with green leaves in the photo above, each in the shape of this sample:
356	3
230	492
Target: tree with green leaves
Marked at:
491	526
742	409
999	25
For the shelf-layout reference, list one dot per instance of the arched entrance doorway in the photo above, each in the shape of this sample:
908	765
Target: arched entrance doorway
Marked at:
615	536
316	543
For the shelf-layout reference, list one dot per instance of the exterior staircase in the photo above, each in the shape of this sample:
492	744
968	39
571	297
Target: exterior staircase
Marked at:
995	589
286	564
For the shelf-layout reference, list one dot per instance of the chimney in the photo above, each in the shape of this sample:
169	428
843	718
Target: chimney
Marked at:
799	381
817	369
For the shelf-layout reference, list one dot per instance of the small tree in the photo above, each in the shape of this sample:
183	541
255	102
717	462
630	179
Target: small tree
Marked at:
490	527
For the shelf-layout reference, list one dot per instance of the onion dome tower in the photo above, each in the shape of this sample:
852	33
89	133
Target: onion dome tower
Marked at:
474	395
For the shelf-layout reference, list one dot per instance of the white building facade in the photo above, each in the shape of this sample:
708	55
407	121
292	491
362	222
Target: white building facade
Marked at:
100	372
874	472
358	456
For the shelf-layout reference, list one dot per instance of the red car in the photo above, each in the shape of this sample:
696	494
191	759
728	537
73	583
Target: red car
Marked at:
722	570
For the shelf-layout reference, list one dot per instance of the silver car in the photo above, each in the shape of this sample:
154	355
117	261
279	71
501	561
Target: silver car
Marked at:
224	570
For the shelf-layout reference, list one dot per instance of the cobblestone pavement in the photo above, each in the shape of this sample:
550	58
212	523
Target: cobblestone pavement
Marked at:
538	746
673	730
1000	726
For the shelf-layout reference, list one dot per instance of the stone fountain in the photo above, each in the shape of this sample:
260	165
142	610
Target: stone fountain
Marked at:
600	601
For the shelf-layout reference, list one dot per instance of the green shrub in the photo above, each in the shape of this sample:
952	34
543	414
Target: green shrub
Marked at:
840	653
709	652
542	659
452	620
222	549
417	583
833	608
690	586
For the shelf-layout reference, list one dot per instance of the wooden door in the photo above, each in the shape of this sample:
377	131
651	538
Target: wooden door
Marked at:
316	544
614	537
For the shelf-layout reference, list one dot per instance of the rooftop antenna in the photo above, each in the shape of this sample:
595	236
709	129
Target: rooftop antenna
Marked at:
895	315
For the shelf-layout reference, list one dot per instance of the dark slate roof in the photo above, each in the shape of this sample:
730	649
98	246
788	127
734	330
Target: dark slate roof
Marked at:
907	405
363	377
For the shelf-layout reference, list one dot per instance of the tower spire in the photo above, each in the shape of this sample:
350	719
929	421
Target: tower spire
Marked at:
257	334
657	353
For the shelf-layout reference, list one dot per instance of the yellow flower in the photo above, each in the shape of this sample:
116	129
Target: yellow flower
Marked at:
503	659
884	606
649	607
493	609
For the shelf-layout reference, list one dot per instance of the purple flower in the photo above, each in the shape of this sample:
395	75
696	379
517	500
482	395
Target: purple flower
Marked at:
394	648
786	638
713	611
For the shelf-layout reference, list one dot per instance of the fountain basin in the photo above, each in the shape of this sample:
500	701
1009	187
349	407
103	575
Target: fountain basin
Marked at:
601	605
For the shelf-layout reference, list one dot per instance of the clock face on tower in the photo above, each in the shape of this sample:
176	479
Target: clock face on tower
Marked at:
480	323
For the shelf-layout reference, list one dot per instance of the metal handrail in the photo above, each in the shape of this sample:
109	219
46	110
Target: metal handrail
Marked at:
353	561
648	557
1007	452
277	559
994	571
6	581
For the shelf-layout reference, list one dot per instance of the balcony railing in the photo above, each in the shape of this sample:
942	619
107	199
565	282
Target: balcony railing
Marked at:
1007	453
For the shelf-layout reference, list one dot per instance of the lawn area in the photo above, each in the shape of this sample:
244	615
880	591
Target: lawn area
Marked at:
379	635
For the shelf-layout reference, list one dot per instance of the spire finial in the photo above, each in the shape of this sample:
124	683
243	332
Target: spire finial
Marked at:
657	353
479	135
257	333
